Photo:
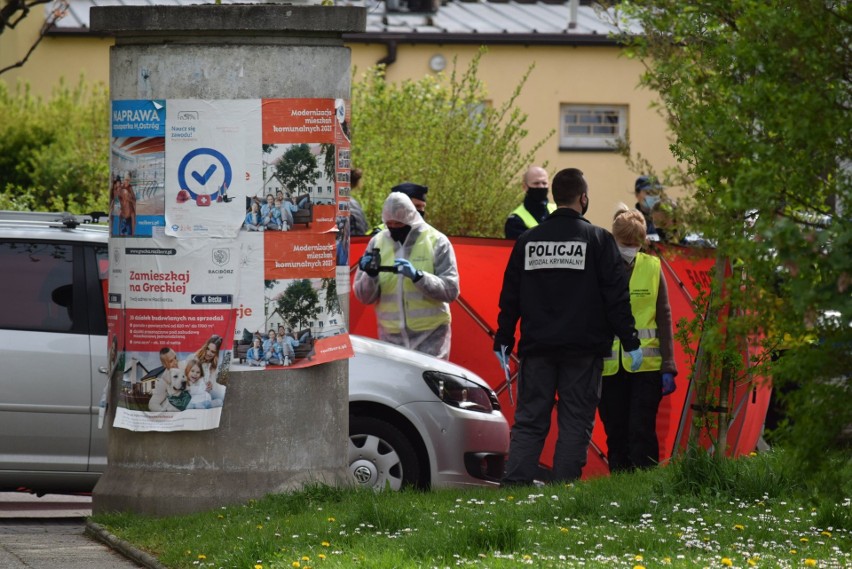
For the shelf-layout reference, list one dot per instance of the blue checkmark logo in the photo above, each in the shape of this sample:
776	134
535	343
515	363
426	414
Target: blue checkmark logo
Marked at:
202	179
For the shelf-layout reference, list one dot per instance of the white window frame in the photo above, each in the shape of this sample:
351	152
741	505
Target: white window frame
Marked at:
596	127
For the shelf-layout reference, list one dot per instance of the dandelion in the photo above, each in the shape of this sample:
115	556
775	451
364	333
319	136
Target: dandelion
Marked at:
739	527
258	566
259	526
305	558
331	520
793	552
563	530
638	558
638	567
726	561
202	556
803	539
825	533
296	564
810	562
325	544
321	555
752	562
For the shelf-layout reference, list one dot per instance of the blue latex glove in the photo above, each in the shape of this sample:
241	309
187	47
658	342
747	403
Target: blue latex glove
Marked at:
668	384
364	262
635	359
405	267
502	358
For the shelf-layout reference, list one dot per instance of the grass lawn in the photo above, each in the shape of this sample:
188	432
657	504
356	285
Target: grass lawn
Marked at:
744	513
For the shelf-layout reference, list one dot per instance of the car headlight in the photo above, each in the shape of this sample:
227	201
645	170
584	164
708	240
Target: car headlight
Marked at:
457	391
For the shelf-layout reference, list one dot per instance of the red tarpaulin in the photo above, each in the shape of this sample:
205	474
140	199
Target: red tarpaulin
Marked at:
481	264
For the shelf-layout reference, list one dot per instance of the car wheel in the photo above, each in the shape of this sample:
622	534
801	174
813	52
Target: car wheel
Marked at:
380	455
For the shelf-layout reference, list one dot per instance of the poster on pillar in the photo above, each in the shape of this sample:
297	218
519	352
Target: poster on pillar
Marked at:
171	307
243	202
212	159
289	312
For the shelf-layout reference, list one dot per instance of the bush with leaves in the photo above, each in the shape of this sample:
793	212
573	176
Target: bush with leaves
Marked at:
54	154
439	131
757	96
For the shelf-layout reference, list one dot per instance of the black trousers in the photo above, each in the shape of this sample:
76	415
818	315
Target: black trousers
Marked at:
577	381
628	410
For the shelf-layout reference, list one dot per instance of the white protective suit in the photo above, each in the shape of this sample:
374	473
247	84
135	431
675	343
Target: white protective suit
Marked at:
442	284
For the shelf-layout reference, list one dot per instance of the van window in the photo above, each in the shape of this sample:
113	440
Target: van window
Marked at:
36	287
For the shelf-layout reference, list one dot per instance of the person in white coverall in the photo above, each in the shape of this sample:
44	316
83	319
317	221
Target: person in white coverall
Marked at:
412	300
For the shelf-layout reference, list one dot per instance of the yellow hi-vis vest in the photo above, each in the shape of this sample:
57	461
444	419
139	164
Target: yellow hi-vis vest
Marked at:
527	217
417	311
644	288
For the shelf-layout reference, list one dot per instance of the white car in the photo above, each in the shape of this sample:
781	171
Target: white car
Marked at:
413	419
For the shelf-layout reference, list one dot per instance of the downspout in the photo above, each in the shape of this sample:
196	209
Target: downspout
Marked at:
390	58
572	14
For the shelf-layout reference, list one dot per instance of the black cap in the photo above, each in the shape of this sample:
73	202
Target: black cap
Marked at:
647	183
415	191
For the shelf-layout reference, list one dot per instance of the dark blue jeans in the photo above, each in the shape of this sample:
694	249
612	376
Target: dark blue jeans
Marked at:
576	379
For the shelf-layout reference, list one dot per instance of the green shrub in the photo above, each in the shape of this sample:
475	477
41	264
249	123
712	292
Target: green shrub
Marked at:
439	131
54	155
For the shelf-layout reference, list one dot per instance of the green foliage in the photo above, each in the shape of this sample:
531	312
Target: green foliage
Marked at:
441	132
299	303
757	97
297	168
54	154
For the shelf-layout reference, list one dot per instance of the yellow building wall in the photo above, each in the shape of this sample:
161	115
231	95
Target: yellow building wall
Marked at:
562	74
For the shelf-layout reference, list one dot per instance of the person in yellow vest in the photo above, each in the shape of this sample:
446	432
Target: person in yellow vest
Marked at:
535	207
630	399
418	280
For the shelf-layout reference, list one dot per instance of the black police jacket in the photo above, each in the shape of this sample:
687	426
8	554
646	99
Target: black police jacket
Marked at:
567	284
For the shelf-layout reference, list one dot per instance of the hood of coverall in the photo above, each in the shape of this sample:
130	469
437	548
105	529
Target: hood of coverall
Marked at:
398	207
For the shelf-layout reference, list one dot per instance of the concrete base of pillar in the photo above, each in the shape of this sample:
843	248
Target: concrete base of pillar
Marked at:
280	430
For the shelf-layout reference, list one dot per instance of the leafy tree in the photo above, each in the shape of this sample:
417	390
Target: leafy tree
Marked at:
54	154
332	301
757	96
299	304
297	169
440	132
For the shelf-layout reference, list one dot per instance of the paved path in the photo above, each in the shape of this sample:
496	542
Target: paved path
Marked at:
48	533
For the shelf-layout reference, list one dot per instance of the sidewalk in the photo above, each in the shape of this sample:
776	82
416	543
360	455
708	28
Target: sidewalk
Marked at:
52	532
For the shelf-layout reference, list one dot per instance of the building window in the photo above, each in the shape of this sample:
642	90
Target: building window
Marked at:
591	127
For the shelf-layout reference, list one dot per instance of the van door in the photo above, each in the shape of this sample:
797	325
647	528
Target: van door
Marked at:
45	360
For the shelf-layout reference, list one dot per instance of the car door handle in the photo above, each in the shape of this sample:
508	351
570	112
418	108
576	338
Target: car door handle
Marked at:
103	369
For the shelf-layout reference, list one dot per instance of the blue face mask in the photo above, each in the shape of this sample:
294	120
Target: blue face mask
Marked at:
651	200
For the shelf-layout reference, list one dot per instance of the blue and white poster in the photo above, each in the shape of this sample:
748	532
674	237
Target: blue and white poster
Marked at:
137	168
212	157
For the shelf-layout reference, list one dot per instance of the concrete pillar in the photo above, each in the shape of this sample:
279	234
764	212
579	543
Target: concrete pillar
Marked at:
281	429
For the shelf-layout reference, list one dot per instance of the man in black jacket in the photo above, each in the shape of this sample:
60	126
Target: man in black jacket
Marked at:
566	282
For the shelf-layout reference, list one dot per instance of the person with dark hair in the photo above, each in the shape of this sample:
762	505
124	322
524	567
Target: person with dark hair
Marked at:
566	283
357	219
630	398
648	191
535	207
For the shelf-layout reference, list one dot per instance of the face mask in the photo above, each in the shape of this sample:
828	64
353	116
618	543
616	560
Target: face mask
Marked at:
650	201
628	253
537	194
399	234
585	207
